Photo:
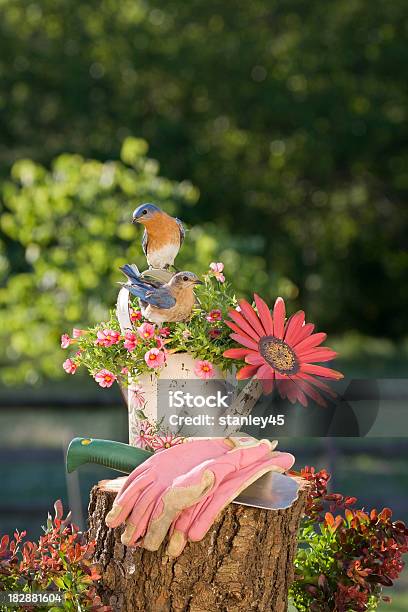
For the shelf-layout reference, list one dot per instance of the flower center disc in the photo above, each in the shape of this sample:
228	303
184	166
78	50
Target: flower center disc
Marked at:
279	355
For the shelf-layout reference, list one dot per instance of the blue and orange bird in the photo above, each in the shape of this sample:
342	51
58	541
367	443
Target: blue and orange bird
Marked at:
162	237
163	302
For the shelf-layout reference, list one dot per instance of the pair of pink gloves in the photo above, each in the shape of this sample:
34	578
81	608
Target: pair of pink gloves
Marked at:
184	488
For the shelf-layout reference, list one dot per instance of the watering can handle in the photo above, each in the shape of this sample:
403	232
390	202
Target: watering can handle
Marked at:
122	311
243	403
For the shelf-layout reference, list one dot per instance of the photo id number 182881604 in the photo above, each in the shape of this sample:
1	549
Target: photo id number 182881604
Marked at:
19	600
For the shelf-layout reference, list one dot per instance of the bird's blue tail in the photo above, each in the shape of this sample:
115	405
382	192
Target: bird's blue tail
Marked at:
132	272
138	286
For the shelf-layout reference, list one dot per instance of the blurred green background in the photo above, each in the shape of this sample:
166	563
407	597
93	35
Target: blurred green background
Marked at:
276	131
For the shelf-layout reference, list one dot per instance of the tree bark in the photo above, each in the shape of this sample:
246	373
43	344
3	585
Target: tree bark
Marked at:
244	563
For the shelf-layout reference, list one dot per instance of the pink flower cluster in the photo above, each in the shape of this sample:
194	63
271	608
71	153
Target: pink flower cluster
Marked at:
66	340
156	356
104	378
107	337
131	341
214	315
204	369
217	271
135	315
70	366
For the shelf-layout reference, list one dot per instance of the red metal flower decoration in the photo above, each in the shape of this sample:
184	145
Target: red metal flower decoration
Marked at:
281	352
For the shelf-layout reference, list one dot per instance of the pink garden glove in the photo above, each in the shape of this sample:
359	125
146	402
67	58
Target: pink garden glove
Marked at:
204	480
151	491
194	522
138	495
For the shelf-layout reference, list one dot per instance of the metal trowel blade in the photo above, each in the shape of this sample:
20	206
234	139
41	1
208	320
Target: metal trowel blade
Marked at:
273	491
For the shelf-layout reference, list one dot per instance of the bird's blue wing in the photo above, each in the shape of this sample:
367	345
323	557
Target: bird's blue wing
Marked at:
145	290
144	242
161	298
182	231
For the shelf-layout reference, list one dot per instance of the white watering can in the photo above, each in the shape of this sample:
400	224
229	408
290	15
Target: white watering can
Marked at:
179	371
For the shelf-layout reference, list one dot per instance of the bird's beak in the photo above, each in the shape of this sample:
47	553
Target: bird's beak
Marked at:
135	219
198	282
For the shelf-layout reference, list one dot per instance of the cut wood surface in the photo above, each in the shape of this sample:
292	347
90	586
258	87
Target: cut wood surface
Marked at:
244	563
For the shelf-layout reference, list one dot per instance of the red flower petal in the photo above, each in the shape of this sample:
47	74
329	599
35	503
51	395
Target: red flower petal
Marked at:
302	397
267	386
236	353
294	326
279	312
311	392
317	383
264	314
239	331
251	316
246	372
317	354
320	371
287	390
255	359
243	324
236	328
245	341
265	372
303	333
293	392
310	342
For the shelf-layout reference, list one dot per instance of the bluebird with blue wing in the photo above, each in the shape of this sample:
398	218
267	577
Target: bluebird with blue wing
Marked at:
162	237
163	302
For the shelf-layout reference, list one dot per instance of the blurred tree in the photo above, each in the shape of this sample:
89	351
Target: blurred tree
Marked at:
289	117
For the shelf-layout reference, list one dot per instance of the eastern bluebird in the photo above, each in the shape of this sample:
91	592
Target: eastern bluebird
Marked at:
162	237
163	302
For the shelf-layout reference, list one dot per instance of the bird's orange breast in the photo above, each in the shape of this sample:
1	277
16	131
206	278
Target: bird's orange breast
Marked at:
162	230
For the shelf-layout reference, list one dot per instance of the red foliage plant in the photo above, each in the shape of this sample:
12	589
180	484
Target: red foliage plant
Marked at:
60	560
347	555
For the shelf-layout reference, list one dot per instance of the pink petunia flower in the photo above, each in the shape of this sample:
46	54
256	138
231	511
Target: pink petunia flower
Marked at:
125	371
138	395
143	434
104	378
161	442
65	341
69	366
159	343
146	331
186	334
107	337
135	315
155	358
164	332
204	369
217	269
77	333
131	341
214	315
215	333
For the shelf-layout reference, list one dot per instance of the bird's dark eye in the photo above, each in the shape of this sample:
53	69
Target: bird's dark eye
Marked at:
144	212
185	278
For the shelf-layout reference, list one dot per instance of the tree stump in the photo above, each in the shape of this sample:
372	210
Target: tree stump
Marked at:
244	563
